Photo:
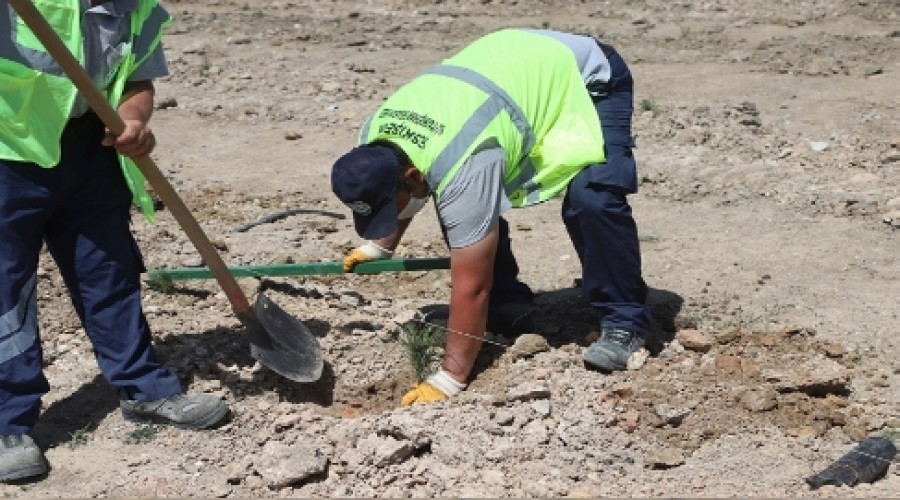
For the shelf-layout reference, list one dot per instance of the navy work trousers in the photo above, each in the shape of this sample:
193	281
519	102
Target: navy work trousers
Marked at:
598	219
81	209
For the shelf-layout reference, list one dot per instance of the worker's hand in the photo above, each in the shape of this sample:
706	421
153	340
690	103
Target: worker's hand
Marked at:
365	253
135	141
438	387
423	393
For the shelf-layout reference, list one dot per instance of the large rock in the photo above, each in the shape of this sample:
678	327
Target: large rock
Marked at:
816	378
282	465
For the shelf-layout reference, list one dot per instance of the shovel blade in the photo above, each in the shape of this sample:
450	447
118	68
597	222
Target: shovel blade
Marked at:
282	343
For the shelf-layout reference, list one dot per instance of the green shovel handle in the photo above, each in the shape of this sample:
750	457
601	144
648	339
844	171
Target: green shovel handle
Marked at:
306	269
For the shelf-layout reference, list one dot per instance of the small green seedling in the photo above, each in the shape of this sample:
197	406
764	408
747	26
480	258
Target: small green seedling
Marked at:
422	343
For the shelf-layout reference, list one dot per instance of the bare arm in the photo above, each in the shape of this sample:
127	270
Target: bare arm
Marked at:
136	107
472	274
391	241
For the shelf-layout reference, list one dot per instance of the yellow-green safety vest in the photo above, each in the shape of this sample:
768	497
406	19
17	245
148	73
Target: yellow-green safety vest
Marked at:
36	97
519	89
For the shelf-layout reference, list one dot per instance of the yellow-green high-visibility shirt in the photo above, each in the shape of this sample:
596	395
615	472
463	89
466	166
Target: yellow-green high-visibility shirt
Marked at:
516	88
36	97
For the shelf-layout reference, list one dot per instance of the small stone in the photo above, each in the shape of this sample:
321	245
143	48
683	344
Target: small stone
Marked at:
286	421
694	340
728	364
528	345
759	400
629	420
166	103
892	218
637	359
665	458
671	415
805	431
623	390
541	407
834	350
528	391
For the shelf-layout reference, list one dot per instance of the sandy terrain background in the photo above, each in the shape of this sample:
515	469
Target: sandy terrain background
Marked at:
768	149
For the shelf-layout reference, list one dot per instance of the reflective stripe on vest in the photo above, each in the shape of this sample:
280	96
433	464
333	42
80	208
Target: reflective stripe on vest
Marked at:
149	32
36	104
499	100
40	60
146	30
30	58
35	57
18	327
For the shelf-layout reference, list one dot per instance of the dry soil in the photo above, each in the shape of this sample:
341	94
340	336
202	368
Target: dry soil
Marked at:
768	149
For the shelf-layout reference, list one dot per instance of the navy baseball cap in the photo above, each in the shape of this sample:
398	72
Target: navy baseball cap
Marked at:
365	179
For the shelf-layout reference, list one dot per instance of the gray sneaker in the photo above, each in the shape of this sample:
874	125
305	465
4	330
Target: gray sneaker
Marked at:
20	458
197	411
611	351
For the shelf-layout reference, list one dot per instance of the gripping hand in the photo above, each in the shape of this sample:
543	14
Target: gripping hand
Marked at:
439	387
365	253
423	393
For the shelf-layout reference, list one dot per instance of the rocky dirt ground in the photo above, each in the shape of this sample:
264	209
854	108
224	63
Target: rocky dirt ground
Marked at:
768	145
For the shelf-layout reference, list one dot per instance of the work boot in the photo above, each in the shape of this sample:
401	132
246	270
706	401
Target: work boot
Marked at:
510	320
20	458
197	411
611	351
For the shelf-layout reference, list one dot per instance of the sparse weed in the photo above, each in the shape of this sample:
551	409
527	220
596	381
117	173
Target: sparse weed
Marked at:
651	106
143	434
79	437
729	322
421	342
162	283
856	354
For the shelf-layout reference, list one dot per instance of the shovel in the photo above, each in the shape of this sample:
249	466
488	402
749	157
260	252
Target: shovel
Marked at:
277	340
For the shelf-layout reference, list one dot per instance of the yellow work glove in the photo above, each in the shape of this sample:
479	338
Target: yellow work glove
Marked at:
438	387
365	253
423	393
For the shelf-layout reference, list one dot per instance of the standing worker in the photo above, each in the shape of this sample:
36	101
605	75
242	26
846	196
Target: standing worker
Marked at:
509	121
62	182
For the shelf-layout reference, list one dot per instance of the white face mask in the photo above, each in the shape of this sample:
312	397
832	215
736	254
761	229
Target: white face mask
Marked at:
414	206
